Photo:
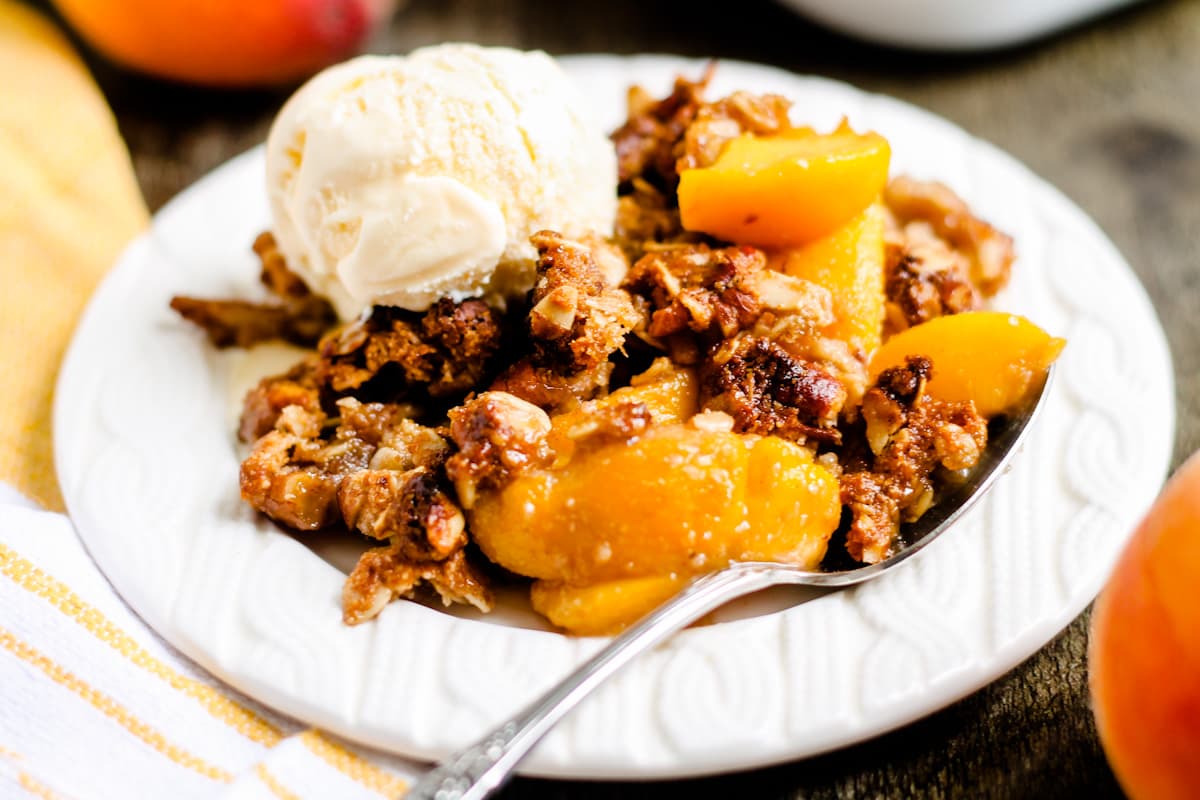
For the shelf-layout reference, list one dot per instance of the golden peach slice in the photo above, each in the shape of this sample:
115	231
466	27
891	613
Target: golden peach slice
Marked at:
677	500
989	357
787	189
602	609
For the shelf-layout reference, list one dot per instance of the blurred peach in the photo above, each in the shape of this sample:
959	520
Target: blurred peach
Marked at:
1145	650
227	42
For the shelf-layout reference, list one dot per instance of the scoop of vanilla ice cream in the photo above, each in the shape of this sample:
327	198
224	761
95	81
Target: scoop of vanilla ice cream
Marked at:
398	180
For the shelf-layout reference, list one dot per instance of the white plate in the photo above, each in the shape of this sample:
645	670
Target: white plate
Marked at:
148	464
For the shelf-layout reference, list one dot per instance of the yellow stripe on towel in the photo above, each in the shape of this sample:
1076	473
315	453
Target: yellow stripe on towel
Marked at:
272	783
26	574
354	766
36	787
110	708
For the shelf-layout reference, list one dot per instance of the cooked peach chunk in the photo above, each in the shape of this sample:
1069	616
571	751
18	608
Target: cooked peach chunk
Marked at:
605	608
786	189
791	513
679	499
849	263
989	357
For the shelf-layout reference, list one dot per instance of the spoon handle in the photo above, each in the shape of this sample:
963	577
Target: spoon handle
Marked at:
480	769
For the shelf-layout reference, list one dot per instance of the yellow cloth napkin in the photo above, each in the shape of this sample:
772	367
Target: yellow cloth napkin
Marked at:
69	203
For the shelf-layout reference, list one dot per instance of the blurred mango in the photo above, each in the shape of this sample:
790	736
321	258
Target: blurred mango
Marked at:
227	42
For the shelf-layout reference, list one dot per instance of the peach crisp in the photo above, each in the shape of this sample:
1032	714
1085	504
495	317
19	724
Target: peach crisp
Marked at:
778	354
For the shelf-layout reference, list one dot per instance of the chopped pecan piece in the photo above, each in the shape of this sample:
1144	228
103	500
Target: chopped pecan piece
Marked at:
885	407
768	391
407	507
299	386
498	435
988	251
925	278
292	475
875	515
717	122
550	390
294	472
646	144
467	336
910	435
390	425
803	339
719	291
578	318
383	574
661	138
409	446
446	351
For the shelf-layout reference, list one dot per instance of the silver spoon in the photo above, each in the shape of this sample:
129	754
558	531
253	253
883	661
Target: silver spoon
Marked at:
480	769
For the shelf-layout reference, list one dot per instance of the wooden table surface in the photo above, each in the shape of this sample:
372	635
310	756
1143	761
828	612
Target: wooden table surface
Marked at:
1108	112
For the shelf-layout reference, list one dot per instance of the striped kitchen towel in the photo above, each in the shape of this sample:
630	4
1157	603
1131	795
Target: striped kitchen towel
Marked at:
94	705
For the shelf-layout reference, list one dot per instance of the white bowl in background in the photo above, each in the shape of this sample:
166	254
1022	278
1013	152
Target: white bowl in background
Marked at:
951	24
